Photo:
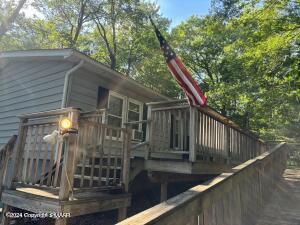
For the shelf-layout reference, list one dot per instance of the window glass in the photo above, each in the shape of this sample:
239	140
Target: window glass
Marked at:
134	107
134	114
114	121
115	106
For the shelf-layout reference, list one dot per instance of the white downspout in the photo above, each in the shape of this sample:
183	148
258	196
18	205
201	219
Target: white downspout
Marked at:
67	83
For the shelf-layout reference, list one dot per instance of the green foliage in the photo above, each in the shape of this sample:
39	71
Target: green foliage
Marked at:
244	54
250	63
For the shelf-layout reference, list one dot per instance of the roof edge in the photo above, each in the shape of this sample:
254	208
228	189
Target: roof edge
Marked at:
73	56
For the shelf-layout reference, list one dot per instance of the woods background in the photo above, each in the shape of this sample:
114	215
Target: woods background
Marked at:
245	54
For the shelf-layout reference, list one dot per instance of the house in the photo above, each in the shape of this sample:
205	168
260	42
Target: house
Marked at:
41	80
120	128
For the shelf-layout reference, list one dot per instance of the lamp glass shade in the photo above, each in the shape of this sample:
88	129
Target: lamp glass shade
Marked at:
65	124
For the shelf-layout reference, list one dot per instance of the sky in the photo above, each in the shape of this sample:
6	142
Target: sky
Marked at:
176	10
179	10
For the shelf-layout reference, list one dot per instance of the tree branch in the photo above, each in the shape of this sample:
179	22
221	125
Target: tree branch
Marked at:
11	19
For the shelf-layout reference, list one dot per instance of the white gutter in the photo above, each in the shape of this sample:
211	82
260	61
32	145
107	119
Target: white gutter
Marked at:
68	83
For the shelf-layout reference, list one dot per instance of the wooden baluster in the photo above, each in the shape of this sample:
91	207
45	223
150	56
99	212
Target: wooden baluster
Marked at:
108	157
202	134
38	153
224	142
57	163
185	148
228	143
101	154
45	158
199	133
180	130
173	112
217	139
149	129
196	133
192	153
169	118
36	133
162	124
153	134
84	147
51	163
116	159
213	124
26	155
94	135
205	152
209	136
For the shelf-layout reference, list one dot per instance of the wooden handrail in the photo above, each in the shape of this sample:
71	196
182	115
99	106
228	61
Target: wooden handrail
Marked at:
94	112
137	122
5	154
8	145
55	112
255	178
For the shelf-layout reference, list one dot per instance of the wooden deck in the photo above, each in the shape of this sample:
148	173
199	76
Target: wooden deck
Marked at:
180	140
43	201
284	206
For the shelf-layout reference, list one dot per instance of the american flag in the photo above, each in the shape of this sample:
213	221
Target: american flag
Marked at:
180	73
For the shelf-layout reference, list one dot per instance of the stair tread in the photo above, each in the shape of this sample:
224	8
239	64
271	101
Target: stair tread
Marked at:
98	166
95	177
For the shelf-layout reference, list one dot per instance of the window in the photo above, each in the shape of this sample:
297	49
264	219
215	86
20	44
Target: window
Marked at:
122	109
115	110
134	114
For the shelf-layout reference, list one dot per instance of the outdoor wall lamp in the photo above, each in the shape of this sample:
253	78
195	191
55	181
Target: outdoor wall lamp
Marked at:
65	128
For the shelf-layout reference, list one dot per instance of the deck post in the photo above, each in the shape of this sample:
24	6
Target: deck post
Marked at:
163	190
126	158
192	131
148	132
17	156
122	212
67	176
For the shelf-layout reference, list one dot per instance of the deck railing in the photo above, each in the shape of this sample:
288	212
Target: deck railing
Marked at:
103	153
36	162
86	159
200	133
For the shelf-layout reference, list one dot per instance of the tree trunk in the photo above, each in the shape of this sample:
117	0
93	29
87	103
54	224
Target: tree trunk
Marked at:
11	19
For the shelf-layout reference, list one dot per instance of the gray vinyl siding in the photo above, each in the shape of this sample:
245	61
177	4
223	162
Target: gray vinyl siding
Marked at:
27	87
84	90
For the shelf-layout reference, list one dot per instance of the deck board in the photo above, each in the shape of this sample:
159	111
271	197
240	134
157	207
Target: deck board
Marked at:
284	205
46	201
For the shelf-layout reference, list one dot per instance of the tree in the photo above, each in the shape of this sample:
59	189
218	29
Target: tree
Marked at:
9	15
64	19
249	62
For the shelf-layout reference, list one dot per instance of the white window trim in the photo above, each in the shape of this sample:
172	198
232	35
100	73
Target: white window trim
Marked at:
140	104
125	107
114	94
